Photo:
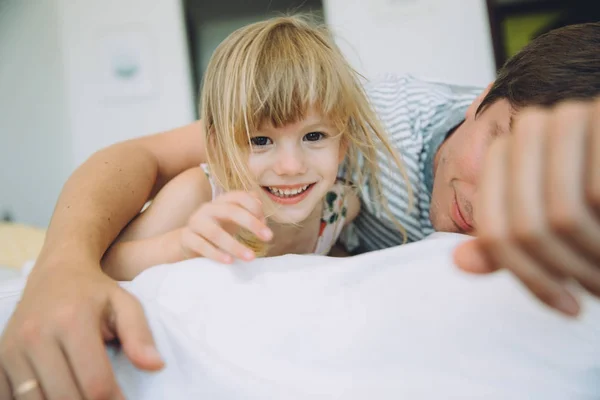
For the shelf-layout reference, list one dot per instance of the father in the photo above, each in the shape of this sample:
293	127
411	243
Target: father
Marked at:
534	204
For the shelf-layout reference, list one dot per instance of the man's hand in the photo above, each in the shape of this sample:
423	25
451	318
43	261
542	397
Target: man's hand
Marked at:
54	345
538	211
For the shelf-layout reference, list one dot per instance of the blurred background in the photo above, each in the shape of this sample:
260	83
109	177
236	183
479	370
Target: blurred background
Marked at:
78	75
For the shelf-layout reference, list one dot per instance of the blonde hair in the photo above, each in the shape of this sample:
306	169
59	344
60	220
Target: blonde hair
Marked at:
275	71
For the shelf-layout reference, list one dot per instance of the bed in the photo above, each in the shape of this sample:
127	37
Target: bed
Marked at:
401	323
18	244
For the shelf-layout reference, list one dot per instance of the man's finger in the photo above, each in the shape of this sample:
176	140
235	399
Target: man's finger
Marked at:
567	211
134	333
23	381
540	282
470	257
526	216
592	166
5	390
53	371
490	213
85	349
495	237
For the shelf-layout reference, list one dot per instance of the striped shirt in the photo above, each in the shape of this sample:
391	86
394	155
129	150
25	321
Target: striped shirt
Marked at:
417	116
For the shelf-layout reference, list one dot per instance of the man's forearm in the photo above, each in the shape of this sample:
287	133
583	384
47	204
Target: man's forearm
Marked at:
98	200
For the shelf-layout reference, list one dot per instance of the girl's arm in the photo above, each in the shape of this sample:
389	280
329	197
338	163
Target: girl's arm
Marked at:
154	237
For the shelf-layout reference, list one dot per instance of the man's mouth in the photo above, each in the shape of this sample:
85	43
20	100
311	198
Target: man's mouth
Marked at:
458	216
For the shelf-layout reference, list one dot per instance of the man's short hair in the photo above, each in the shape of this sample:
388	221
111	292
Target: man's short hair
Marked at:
563	64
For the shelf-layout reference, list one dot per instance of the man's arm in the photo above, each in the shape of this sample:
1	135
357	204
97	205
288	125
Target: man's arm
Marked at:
70	307
111	187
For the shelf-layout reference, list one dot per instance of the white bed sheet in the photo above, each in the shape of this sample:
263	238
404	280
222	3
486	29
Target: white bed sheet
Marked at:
7	272
399	323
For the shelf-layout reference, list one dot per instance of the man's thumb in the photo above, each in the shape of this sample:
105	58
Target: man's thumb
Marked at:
470	257
134	333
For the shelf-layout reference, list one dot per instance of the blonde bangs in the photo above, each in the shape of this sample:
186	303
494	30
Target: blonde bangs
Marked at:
272	71
296	69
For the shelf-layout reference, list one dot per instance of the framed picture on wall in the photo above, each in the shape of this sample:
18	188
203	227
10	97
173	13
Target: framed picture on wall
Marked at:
127	64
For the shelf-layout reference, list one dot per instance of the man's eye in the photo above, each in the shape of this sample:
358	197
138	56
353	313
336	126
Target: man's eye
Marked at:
260	141
314	136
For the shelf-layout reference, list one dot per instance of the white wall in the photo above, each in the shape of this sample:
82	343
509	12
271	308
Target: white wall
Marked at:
100	114
56	107
33	114
443	40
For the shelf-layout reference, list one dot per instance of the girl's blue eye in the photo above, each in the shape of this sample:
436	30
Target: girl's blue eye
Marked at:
314	136
260	141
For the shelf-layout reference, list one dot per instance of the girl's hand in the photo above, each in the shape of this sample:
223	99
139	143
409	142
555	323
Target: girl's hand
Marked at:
211	229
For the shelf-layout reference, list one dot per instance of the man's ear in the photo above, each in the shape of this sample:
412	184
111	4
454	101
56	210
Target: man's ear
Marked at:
472	110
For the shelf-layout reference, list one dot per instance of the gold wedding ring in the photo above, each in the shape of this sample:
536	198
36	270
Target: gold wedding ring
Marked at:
26	387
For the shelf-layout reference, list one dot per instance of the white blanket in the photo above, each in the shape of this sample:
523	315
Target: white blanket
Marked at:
402	323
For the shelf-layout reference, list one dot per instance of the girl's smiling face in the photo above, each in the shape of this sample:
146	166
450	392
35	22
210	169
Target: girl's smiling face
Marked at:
296	164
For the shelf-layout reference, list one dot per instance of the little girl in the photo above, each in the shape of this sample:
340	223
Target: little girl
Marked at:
281	110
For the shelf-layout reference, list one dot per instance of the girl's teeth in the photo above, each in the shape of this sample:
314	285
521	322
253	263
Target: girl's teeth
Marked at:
287	192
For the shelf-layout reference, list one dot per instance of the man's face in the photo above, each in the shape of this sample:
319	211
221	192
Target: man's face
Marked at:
458	164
